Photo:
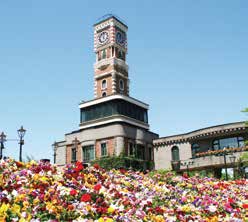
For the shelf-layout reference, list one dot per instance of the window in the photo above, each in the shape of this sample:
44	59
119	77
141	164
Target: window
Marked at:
121	84
131	149
104	54
195	148
114	107
175	153
121	55
140	151
88	153
150	151
104	149
73	155
231	142
241	141
104	84
104	94
216	145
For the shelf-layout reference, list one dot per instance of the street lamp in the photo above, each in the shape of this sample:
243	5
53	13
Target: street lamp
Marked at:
187	164
21	134
224	154
232	160
2	141
74	153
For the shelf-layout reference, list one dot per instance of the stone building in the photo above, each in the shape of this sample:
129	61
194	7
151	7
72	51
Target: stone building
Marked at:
212	147
113	122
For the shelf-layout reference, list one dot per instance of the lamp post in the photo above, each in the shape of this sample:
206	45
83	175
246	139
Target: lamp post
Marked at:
232	160
2	141
21	134
187	164
75	143
224	154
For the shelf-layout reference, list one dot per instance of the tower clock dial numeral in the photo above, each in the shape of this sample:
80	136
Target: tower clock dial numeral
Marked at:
103	37
120	38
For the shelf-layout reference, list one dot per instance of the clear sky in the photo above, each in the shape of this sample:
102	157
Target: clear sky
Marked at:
187	59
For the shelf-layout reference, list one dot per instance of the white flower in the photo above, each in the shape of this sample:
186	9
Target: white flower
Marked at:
14	193
212	208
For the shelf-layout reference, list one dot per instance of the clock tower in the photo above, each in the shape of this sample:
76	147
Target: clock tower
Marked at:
113	123
111	69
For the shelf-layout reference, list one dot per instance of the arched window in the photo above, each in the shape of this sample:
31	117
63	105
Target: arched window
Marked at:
104	94
104	84
121	84
195	148
104	54
175	153
121	55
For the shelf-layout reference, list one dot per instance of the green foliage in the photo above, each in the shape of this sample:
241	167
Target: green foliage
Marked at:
244	159
161	172
245	110
29	158
122	161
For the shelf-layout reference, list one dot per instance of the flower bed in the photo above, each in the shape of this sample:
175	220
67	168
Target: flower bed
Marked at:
221	152
43	192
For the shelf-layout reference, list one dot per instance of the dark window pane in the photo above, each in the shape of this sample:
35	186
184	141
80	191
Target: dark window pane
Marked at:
103	149
88	153
120	107
73	155
175	153
140	152
228	143
131	149
195	149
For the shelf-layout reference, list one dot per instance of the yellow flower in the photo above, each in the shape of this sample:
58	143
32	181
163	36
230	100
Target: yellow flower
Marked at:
36	201
4	208
157	218
43	179
186	208
16	208
111	210
3	213
25	204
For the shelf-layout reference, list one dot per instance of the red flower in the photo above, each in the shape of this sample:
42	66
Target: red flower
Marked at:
79	166
97	187
85	197
185	175
73	192
70	207
245	206
123	171
96	166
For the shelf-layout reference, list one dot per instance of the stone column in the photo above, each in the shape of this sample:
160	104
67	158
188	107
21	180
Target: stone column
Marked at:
119	145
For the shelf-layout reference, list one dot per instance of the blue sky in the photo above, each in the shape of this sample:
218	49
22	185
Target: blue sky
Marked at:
187	59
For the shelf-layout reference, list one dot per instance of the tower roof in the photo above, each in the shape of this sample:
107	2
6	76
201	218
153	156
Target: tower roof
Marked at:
109	16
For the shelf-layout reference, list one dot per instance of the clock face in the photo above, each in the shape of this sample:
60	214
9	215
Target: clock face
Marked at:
103	37
120	38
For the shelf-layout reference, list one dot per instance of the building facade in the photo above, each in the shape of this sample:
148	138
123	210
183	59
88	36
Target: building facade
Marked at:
213	147
113	123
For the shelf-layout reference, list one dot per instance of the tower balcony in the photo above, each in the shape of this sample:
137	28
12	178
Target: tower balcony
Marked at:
110	62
